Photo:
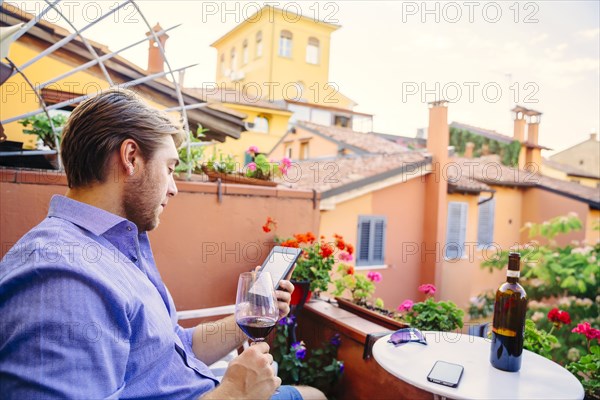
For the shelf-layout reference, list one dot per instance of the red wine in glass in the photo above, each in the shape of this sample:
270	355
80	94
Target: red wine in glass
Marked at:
256	310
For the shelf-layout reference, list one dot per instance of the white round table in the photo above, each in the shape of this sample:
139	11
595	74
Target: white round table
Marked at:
538	378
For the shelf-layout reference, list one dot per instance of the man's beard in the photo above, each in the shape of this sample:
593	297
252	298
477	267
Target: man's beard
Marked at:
138	204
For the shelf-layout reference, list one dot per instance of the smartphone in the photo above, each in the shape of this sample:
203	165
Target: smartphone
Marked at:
280	263
445	373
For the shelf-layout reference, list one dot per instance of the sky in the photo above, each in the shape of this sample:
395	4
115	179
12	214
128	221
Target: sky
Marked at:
393	57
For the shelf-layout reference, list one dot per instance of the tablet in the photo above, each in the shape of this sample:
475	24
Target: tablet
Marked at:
280	263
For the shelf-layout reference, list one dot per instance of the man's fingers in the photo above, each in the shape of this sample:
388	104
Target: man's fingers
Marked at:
286	286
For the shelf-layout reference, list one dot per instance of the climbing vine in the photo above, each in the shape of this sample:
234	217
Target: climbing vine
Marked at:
508	152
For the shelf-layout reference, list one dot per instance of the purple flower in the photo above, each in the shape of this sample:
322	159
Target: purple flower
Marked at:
374	276
287	320
341	365
300	350
336	340
406	305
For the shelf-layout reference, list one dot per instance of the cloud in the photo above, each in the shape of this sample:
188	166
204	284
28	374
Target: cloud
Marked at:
539	38
588	33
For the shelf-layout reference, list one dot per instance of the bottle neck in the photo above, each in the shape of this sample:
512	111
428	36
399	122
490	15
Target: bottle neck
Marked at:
512	276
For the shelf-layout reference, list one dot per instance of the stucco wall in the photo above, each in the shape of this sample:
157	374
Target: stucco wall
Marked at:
540	205
201	245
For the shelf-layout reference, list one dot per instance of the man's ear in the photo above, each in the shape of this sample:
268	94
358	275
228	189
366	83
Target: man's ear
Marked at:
129	156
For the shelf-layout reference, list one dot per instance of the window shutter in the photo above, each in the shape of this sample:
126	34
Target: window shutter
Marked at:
371	240
378	237
485	223
364	239
456	229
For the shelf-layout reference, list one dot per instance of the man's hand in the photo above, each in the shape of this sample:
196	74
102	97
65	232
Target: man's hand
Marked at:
284	296
249	376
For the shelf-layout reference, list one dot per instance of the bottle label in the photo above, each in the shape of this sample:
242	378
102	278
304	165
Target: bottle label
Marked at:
513	274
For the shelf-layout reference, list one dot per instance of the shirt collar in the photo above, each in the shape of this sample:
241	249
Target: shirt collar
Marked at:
93	219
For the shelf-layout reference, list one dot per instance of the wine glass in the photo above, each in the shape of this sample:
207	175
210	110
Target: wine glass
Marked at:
256	310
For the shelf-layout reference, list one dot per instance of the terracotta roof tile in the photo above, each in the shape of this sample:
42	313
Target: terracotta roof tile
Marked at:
572	189
336	173
489	170
365	142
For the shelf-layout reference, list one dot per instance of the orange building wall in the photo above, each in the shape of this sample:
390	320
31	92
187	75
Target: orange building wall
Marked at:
458	275
404	204
592	234
201	245
541	205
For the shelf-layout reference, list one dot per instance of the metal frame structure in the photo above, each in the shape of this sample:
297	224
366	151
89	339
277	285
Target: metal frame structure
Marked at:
182	107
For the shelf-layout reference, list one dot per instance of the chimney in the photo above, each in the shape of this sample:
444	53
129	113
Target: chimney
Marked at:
594	136
533	153
155	59
436	196
485	149
519	132
469	149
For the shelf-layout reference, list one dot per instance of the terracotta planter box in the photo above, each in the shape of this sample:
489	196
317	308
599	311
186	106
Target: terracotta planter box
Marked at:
370	315
236	178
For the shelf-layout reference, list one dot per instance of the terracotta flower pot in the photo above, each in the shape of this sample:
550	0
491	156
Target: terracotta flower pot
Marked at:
301	294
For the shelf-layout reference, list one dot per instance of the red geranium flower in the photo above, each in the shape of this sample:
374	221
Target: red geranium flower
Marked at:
559	317
326	250
290	243
349	248
350	270
269	225
427	288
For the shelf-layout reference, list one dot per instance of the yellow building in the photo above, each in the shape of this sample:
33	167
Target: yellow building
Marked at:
265	122
275	54
17	97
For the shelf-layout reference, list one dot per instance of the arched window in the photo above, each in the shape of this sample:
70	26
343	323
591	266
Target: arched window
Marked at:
312	51
245	52
233	63
259	44
285	44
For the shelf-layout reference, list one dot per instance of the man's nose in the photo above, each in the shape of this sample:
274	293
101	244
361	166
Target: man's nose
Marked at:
172	189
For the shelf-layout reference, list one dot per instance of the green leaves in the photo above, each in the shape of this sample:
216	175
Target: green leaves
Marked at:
430	315
587	370
540	342
41	127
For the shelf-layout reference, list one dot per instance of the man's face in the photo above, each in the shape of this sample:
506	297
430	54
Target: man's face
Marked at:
147	193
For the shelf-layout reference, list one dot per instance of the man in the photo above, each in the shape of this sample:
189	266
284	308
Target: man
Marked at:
84	312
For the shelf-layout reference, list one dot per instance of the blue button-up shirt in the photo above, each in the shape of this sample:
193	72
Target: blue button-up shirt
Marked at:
84	314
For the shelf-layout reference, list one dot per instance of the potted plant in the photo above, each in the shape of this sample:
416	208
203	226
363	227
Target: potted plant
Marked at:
196	154
431	315
40	126
258	172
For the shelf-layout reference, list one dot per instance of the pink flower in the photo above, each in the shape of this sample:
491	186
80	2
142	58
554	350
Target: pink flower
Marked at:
427	288
286	161
345	256
251	166
374	276
406	305
252	149
585	329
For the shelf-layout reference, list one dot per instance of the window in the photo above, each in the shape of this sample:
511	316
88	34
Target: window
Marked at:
233	63
222	64
285	44
456	229
485	223
259	44
312	51
340	120
304	151
288	151
371	240
245	52
261	124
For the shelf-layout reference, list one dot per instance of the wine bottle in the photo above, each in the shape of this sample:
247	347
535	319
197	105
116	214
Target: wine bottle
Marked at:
508	327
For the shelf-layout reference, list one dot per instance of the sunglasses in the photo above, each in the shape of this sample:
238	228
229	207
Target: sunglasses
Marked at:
406	335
